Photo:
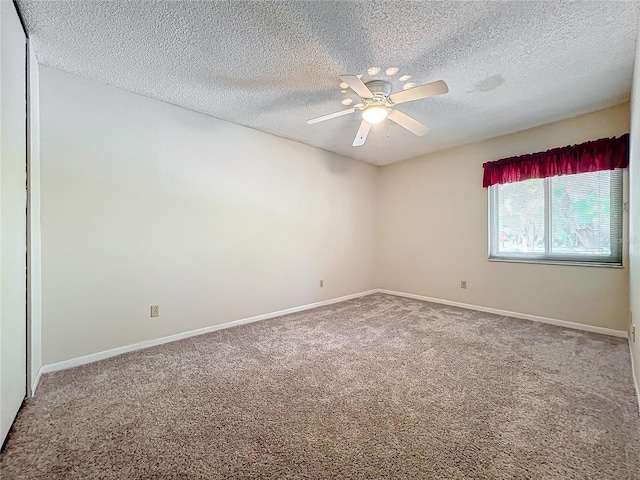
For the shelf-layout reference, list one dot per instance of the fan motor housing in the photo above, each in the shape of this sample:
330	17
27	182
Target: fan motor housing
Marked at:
379	88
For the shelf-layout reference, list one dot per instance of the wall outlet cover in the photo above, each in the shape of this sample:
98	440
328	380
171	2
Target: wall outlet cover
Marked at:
155	310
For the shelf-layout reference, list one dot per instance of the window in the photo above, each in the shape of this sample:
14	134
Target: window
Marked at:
564	219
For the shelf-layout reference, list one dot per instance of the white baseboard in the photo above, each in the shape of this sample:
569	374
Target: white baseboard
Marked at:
94	357
634	376
525	316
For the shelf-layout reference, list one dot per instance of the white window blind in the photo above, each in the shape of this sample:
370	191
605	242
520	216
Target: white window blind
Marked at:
569	219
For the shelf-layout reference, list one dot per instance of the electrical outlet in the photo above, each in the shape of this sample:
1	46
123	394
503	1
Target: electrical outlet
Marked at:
463	284
321	283
155	310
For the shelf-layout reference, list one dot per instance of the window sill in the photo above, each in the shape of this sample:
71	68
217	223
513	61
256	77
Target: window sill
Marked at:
556	262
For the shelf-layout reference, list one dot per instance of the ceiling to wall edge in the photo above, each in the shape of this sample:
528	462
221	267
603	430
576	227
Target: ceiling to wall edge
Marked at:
105	42
477	140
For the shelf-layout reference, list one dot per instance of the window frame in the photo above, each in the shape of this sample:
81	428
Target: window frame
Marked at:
615	260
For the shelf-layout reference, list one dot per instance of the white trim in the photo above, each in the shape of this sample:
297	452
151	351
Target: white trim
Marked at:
94	357
525	316
36	382
633	375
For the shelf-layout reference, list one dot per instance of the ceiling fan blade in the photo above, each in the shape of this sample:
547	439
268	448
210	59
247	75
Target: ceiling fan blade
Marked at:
330	116
423	91
357	86
361	136
407	122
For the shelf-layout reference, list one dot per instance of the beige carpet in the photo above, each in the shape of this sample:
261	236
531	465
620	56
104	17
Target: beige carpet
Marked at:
378	387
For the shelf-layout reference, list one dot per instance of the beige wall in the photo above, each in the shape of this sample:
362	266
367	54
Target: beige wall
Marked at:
634	215
145	203
433	229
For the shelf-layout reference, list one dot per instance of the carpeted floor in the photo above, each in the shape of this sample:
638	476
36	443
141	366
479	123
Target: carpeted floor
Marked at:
380	387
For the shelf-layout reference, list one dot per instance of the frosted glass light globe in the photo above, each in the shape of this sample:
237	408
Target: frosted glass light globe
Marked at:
374	114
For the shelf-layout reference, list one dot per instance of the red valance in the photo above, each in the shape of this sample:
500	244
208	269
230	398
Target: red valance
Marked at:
603	154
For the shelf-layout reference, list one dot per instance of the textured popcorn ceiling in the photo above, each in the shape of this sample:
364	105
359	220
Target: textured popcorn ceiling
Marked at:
272	65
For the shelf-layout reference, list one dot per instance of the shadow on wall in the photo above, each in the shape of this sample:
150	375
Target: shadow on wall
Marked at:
337	164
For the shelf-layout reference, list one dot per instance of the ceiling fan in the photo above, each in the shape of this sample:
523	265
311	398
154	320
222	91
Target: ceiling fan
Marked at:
378	102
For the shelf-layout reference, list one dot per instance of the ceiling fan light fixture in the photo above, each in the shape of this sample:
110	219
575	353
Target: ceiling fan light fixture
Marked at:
378	102
374	114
